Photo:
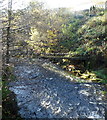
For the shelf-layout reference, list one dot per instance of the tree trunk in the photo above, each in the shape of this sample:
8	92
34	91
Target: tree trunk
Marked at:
8	31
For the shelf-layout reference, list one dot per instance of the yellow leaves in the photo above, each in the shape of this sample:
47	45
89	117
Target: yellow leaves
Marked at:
51	33
64	66
34	34
48	50
89	76
84	76
65	60
34	31
52	40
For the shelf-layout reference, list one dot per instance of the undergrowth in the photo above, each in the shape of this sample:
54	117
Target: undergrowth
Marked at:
98	75
9	104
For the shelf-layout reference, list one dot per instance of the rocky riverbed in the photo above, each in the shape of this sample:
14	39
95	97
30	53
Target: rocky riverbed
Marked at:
43	92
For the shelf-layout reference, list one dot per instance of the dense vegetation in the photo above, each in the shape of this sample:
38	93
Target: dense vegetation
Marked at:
80	35
36	30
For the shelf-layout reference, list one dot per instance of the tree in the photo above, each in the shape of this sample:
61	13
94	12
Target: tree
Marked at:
8	30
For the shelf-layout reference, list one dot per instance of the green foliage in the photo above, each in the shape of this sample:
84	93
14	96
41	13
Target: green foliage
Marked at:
102	73
5	90
92	36
69	36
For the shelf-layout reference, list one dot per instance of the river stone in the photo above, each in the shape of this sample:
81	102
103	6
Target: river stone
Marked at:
49	95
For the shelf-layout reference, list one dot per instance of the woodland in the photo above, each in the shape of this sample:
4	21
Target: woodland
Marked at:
76	41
